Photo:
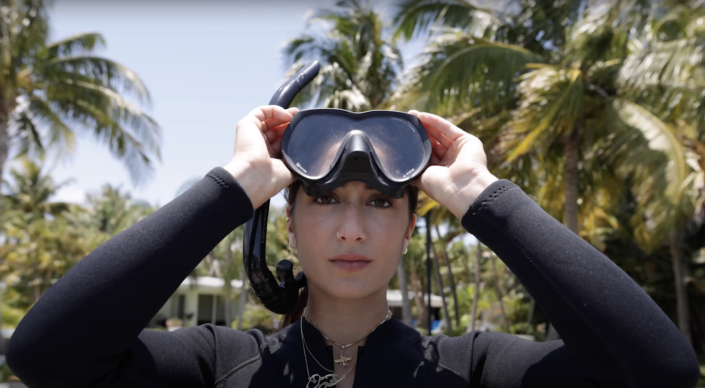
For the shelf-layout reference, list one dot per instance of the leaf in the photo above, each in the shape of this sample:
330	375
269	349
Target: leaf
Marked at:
550	105
459	71
416	17
77	44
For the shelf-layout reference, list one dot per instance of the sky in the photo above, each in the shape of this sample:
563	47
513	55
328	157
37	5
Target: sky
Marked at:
206	65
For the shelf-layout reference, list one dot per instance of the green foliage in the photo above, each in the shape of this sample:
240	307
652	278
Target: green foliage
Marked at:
44	239
5	373
11	316
258	317
52	89
359	62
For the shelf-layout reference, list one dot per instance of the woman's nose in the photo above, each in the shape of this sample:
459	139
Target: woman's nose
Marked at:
351	226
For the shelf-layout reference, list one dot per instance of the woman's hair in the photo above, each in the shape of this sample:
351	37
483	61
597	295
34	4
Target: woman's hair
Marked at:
411	192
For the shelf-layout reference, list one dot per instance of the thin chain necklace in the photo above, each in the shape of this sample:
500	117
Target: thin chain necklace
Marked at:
344	360
317	380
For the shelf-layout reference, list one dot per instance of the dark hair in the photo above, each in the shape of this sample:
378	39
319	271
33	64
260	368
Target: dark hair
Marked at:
290	192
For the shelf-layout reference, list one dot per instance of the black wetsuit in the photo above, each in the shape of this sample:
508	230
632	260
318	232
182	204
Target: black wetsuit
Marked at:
87	330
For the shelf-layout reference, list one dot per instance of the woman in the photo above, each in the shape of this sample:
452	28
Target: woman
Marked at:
87	331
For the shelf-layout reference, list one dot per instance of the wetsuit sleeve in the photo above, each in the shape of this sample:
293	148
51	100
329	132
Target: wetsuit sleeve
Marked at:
87	330
612	332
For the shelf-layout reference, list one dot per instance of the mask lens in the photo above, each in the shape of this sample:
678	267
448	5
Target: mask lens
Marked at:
397	144
316	140
314	143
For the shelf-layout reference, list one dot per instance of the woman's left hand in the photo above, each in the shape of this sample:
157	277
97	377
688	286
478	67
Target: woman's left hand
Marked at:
458	170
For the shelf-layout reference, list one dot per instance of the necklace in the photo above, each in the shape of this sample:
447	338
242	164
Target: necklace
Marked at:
317	380
344	360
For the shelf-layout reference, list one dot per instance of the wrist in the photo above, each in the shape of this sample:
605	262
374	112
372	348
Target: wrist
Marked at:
467	194
250	180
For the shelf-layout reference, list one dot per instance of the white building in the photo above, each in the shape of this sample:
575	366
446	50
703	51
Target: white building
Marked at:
201	301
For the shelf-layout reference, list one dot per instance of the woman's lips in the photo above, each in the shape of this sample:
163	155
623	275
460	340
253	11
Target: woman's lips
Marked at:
351	262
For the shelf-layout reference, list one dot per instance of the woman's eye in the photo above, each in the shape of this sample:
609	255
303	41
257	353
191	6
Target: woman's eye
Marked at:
380	202
325	200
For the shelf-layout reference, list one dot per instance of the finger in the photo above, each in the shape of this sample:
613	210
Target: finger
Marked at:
293	110
276	131
268	124
443	139
442	125
276	147
432	131
279	129
438	149
270	112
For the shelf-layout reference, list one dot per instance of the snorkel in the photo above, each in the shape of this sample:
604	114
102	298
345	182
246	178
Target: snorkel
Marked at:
278	296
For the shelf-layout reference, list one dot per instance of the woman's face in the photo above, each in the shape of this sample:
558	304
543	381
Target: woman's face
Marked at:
350	241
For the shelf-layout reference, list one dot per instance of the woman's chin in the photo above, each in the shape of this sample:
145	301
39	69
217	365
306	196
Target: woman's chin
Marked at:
350	288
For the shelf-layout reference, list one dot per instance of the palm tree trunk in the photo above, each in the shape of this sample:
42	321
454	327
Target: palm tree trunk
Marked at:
3	158
439	279
4	124
451	279
242	301
37	289
499	296
532	306
681	291
570	176
476	296
228	288
404	289
2	339
416	288
570	190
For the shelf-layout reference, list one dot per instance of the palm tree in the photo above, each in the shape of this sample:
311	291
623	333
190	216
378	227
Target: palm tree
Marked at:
359	62
50	90
476	294
567	105
113	210
30	189
39	242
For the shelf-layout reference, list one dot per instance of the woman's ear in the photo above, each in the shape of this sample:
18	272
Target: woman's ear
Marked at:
290	228
409	231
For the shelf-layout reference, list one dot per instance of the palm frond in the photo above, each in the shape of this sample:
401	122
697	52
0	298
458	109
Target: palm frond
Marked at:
417	17
358	66
648	150
108	73
77	44
131	135
462	71
550	105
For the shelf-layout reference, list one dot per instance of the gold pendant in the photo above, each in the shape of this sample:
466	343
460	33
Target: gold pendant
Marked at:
321	382
343	360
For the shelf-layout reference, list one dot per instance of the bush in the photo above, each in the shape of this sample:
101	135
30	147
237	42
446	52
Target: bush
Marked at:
5	373
11	316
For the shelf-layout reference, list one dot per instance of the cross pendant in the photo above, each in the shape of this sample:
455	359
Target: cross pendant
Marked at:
343	360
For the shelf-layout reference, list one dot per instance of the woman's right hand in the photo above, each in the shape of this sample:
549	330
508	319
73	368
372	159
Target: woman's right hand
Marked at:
255	163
